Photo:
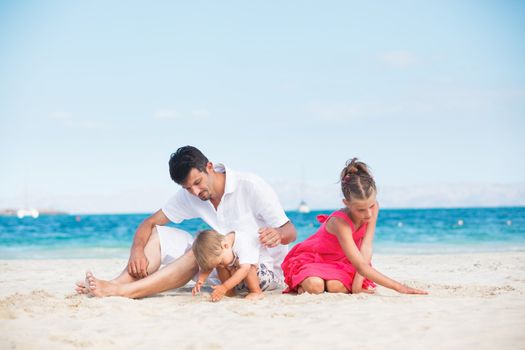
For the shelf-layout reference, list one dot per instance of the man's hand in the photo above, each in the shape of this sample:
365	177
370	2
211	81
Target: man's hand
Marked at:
269	237
197	287
138	264
218	292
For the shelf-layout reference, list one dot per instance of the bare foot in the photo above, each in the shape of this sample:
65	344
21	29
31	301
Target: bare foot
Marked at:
100	288
300	290
254	296
81	287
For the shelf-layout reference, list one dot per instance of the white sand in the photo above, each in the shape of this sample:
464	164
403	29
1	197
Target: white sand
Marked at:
477	301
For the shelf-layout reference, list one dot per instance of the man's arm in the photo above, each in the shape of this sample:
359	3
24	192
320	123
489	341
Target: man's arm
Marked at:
272	237
138	263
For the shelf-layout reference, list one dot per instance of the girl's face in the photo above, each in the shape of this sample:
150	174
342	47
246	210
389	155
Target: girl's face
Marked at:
361	210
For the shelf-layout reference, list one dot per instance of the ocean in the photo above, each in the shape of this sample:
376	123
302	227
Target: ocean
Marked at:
399	231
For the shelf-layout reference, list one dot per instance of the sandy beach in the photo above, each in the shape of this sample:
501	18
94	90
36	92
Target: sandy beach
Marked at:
476	301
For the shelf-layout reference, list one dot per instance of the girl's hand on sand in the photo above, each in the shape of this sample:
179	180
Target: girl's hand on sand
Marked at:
363	290
407	290
197	288
138	264
218	292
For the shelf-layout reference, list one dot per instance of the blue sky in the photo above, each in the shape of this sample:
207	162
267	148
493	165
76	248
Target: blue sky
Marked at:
95	95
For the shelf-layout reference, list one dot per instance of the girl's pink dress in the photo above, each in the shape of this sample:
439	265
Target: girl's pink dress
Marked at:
322	256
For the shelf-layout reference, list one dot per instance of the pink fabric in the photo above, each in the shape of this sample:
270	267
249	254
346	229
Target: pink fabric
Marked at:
322	256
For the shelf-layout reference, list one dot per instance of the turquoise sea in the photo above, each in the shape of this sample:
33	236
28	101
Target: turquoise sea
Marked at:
399	231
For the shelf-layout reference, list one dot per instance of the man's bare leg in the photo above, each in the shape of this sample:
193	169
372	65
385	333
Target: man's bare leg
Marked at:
174	275
152	252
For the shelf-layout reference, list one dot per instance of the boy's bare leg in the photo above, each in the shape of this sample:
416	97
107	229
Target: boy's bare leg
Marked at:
174	275
224	275
252	282
152	252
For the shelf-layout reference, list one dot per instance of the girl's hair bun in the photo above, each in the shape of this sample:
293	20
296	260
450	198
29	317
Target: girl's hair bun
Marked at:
356	180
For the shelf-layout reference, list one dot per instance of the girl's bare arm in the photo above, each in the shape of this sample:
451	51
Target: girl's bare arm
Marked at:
344	234
366	250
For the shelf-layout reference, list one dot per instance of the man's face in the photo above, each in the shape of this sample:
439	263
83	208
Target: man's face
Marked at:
198	184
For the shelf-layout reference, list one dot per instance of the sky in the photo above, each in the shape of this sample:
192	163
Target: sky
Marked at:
96	95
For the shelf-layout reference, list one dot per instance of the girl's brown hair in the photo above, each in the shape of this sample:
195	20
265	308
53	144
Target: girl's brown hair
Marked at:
357	181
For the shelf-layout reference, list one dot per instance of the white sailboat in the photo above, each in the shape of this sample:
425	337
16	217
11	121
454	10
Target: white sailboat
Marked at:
21	213
25	211
303	207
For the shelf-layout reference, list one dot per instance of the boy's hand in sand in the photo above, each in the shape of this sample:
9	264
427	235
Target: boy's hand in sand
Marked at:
138	264
407	290
269	237
218	292
197	287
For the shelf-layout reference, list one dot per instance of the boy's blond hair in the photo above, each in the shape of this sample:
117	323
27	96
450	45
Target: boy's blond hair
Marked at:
207	249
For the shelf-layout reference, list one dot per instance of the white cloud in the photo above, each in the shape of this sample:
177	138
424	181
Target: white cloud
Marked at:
68	120
333	112
200	113
167	114
171	114
62	116
399	58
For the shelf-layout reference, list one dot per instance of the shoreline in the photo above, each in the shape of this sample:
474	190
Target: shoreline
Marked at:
469	294
111	253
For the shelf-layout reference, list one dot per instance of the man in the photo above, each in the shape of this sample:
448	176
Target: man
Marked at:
223	198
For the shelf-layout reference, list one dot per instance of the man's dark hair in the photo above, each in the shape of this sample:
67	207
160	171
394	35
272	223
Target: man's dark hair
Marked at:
185	159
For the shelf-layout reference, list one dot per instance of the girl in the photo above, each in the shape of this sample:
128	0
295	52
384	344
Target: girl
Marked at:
338	255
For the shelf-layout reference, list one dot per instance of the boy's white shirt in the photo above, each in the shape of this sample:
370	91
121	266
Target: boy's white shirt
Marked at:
248	201
248	247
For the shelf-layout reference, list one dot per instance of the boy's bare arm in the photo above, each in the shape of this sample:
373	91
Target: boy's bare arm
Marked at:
203	275
236	278
223	273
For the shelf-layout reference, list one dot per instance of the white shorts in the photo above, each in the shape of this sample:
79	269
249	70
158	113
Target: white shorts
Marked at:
174	243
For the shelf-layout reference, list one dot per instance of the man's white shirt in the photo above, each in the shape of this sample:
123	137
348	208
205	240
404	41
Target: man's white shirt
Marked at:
248	203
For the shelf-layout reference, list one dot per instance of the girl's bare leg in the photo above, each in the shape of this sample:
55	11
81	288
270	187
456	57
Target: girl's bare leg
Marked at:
335	286
313	285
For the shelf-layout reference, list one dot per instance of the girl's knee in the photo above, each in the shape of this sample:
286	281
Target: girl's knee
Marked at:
313	285
335	286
